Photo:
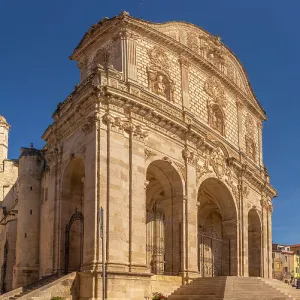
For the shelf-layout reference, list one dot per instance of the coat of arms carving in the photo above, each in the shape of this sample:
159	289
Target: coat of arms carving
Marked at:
215	90
218	162
159	58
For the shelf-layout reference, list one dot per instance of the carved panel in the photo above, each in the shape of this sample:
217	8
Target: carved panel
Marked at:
215	90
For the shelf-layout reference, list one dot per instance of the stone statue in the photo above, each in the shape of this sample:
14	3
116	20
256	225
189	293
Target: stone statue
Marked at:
160	87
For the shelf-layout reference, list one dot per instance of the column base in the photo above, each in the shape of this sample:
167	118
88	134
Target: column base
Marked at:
24	276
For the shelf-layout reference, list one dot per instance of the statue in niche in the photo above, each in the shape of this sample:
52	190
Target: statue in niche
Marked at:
160	87
160	84
216	119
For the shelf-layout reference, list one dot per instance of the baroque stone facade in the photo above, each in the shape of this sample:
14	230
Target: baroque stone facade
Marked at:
165	134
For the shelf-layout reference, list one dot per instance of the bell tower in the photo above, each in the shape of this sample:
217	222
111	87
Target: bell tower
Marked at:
4	129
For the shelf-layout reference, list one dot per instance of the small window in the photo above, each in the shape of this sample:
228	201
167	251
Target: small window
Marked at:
272	266
273	255
285	258
286	270
31	211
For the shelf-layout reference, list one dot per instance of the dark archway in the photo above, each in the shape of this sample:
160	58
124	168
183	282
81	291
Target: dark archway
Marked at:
164	204
254	244
73	257
217	230
72	219
4	269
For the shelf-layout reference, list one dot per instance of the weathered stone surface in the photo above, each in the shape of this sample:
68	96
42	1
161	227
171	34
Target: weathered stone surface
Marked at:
164	133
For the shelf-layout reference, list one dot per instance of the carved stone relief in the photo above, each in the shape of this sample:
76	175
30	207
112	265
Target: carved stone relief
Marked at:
249	138
216	162
149	154
216	91
159	79
159	58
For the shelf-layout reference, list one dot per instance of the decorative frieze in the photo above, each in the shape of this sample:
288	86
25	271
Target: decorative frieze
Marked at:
90	123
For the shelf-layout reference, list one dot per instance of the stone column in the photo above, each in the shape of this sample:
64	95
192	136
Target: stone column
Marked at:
125	60
117	182
264	248
137	199
91	193
243	228
54	187
230	233
270	210
191	230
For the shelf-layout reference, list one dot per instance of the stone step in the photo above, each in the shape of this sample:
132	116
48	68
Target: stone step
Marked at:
232	288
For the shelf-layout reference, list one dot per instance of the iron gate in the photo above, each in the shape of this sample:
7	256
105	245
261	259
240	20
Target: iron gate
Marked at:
213	254
77	216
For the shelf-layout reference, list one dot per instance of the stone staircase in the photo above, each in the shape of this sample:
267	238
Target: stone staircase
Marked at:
283	287
45	288
234	288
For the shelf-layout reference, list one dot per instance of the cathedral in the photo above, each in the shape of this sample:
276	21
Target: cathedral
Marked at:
163	134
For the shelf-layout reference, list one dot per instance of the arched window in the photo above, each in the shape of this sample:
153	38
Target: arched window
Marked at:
217	119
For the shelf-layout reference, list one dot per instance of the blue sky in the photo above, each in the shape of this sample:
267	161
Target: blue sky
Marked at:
37	38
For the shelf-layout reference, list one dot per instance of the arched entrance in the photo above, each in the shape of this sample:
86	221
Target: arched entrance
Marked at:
75	228
72	219
217	230
254	243
164	197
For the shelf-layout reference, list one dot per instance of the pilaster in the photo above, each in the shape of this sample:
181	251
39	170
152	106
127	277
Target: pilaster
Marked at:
190	216
184	63
91	243
137	198
126	58
260	147
240	106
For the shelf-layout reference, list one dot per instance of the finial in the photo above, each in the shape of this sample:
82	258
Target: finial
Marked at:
125	13
31	145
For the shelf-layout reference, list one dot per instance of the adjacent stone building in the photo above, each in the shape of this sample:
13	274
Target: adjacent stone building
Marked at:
165	134
8	202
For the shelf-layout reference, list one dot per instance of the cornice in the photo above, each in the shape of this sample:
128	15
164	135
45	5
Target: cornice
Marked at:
124	20
195	58
151	111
